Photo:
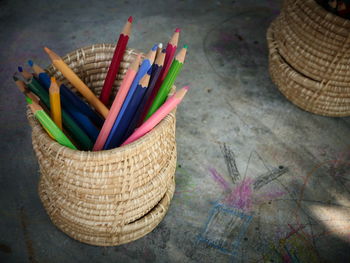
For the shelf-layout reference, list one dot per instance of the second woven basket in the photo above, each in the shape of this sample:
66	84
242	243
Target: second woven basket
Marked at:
108	197
309	57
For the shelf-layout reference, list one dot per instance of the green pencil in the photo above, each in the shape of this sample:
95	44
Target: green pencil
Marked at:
168	82
48	123
76	132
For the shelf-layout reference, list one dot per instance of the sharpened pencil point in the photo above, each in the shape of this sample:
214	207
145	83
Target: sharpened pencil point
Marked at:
177	30
185	46
130	19
29	100
47	50
186	88
15	78
20	69
154	48
30	63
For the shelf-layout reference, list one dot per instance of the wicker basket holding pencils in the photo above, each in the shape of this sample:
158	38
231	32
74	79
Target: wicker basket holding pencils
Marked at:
111	197
309	57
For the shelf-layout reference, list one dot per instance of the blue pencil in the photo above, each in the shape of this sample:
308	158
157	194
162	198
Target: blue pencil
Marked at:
68	95
82	120
114	137
141	110
125	122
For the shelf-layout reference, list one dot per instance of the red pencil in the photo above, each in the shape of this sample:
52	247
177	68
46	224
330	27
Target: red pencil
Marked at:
169	56
170	52
114	66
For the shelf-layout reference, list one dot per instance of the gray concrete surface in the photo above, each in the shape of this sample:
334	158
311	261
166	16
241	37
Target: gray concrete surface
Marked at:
233	124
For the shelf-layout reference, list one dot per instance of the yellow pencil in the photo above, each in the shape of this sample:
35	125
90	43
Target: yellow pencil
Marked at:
77	82
55	103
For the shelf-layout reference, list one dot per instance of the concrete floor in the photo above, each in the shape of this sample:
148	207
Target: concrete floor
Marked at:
234	124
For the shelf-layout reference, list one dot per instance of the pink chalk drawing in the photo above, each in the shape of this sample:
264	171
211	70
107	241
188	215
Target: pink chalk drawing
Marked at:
242	195
218	178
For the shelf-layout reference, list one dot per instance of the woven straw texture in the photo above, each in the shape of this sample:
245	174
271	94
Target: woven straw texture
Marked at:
309	57
111	197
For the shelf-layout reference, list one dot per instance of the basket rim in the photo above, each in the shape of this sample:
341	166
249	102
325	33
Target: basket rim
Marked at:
327	15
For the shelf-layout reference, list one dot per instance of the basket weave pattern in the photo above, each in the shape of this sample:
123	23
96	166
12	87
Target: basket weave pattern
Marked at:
108	197
309	57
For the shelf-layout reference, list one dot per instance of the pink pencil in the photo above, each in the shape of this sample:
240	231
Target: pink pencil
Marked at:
117	104
159	115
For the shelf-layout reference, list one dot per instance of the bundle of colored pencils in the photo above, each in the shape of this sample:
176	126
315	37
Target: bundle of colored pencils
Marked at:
140	104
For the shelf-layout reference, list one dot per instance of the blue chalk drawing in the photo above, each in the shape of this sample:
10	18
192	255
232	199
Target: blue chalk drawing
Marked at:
225	228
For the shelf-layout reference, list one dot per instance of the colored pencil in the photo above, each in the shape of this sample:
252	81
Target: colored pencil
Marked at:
168	81
117	104
55	103
24	73
30	96
22	87
36	87
68	97
36	68
141	110
170	53
48	123
123	121
159	115
145	66
77	133
159	49
77	82
117	58
82	120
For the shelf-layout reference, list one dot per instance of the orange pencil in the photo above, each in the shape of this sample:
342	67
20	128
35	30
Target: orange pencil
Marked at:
77	82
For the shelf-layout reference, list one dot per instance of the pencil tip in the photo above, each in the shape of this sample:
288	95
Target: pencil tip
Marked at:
154	48
186	88
15	78
47	50
30	63
185	46
177	30
29	100
130	19
20	69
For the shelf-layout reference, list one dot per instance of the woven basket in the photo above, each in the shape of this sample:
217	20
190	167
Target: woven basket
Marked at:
309	57
111	197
